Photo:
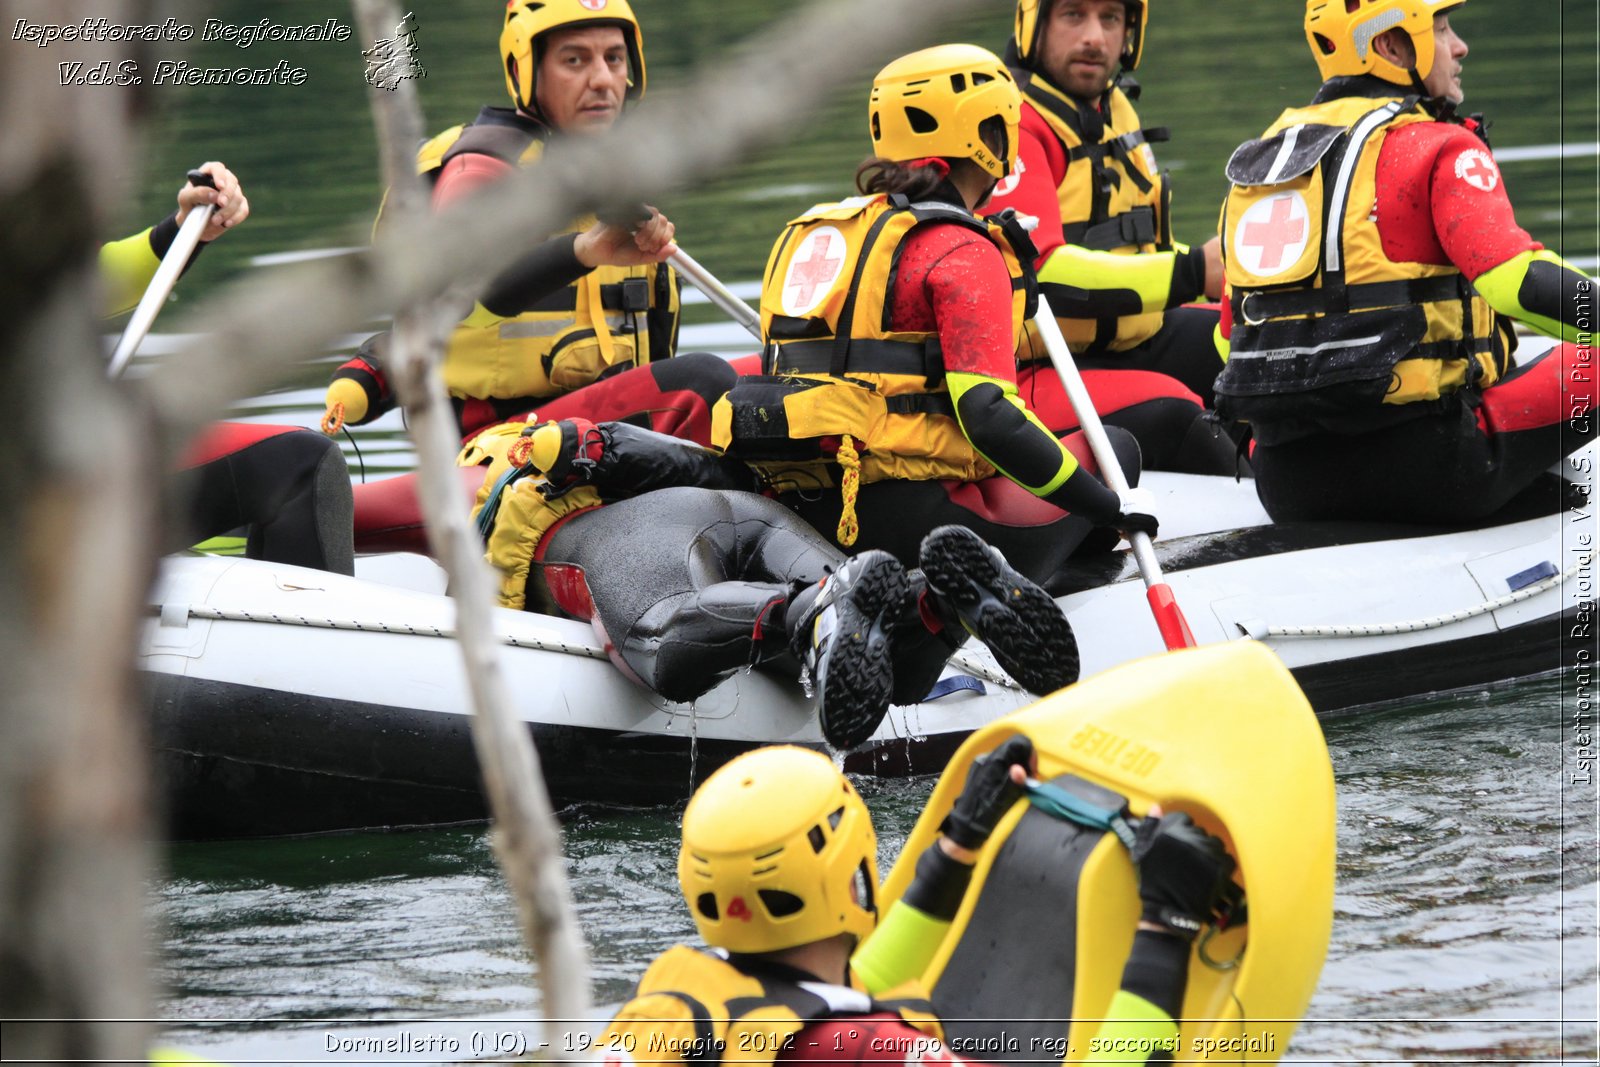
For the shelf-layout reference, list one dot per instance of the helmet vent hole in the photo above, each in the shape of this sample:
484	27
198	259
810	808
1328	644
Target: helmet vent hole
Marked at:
921	121
979	78
1325	44
958	82
1352	6
877	127
864	888
768	855
706	904
835	818
780	904
818	839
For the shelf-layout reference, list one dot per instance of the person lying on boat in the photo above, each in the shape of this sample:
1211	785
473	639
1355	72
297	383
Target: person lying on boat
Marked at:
891	321
583	306
1106	259
287	487
778	866
690	577
1372	349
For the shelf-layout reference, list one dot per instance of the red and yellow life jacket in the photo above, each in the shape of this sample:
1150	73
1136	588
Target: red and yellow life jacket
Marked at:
1330	334
699	1008
1113	197
841	386
598	325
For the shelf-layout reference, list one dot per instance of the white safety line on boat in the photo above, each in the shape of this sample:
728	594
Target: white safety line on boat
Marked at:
1432	622
959	660
222	615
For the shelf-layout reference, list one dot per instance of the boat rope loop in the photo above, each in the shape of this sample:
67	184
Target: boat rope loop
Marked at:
1433	622
542	645
963	662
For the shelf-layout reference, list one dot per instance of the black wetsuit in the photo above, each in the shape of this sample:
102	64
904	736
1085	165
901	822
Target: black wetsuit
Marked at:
287	487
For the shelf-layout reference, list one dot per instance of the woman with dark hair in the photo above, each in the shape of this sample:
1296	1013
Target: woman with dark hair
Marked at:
889	404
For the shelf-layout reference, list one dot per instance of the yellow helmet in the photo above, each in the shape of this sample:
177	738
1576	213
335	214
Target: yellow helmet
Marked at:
931	103
1030	28
778	851
528	20
1341	33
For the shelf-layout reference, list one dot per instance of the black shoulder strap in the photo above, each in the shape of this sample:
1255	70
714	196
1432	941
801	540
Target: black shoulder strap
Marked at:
496	134
847	316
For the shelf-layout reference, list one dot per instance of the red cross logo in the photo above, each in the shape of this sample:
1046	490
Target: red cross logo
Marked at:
810	278
1477	169
1275	236
1271	237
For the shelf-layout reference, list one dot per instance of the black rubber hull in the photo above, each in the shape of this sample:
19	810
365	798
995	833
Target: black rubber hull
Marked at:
238	761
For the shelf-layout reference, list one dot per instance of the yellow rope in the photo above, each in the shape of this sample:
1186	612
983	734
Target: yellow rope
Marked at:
849	486
333	418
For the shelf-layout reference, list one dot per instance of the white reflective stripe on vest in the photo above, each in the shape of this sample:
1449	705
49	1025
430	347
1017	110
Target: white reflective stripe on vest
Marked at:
1290	353
614	319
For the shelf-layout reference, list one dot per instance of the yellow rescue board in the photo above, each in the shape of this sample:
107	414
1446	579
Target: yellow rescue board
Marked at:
1225	734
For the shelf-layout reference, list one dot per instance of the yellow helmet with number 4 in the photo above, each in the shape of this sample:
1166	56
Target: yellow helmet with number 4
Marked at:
778	851
528	20
1341	33
1028	32
932	103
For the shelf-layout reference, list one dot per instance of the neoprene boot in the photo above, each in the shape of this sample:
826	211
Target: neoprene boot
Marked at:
621	460
842	630
976	591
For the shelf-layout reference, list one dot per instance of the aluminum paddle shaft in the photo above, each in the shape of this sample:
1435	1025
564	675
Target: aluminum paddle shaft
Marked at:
718	293
161	284
1169	617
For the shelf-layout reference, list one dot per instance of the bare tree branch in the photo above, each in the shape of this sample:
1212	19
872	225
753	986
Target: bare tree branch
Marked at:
526	837
76	552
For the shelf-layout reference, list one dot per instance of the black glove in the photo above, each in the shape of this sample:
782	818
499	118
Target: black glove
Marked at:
1185	875
989	794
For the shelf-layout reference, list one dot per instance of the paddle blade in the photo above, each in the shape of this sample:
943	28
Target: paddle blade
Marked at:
1169	617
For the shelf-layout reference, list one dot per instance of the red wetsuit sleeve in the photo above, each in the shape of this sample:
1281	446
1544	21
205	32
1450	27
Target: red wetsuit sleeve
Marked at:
465	173
1033	189
1442	199
882	1038
952	281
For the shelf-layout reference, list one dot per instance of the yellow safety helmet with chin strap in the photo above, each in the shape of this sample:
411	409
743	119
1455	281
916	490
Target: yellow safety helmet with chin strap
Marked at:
528	20
932	102
1341	33
1028	32
778	851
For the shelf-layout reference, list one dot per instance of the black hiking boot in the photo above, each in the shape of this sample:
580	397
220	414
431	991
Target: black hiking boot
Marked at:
842	633
974	587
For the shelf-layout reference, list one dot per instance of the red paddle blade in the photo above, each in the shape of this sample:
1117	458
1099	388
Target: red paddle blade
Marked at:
1169	617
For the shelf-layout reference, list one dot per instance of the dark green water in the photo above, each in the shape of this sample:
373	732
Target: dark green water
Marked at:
1466	915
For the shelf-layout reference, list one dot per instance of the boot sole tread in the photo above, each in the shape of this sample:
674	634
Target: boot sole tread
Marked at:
1020	623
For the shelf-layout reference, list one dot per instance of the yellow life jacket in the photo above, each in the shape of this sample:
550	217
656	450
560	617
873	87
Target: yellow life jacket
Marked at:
1113	197
842	386
599	325
701	1008
513	510
1329	334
